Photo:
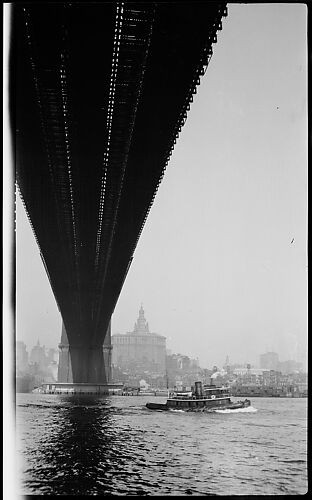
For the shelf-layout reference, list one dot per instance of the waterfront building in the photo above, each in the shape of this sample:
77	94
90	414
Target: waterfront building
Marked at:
249	371
253	376
140	349
183	371
180	362
272	378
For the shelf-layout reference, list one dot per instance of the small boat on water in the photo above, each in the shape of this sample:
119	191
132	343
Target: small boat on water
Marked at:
202	398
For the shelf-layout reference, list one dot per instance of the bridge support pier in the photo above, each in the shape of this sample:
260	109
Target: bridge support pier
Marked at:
85	364
64	373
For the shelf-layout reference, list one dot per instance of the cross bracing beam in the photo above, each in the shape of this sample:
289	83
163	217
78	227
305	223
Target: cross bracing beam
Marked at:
100	93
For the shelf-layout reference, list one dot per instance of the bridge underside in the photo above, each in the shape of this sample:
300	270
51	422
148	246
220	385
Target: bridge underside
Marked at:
99	94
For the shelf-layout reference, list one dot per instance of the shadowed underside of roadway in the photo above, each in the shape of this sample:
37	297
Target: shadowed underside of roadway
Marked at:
100	92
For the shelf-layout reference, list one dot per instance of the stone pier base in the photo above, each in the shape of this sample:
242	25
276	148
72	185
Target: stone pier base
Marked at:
84	364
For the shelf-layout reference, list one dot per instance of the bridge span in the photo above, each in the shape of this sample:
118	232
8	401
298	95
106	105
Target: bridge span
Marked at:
99	94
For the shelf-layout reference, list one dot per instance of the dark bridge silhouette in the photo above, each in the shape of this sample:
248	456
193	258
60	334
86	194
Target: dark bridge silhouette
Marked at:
99	94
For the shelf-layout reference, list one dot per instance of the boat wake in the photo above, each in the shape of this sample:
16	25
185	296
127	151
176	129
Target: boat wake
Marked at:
249	409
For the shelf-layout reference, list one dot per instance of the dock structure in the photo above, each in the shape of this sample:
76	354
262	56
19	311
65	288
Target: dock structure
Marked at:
64	388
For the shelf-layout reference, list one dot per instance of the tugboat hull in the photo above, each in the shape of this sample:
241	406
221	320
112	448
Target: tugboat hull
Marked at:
240	404
157	406
230	406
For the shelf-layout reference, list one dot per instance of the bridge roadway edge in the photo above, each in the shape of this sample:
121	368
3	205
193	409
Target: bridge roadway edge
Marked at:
87	213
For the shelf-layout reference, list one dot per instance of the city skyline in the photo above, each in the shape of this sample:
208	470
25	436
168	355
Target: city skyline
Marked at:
228	359
221	263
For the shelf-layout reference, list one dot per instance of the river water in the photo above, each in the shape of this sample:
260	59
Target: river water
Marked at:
114	445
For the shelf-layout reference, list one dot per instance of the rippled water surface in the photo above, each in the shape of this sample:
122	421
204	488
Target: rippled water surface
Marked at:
115	445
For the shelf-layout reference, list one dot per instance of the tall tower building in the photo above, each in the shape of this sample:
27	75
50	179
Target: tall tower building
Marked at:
141	325
140	348
38	356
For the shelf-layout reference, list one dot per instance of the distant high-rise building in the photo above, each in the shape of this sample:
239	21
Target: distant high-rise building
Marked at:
226	365
195	363
52	355
290	366
38	356
21	356
269	360
140	348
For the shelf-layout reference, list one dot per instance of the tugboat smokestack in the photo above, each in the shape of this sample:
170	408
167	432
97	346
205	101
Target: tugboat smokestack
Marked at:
198	389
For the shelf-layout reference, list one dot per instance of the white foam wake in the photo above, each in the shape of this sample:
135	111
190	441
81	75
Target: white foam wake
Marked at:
249	409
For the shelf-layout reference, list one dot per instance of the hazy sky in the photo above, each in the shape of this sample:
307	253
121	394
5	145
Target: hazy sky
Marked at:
221	266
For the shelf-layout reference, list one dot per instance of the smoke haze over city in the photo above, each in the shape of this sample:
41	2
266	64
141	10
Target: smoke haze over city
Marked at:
221	265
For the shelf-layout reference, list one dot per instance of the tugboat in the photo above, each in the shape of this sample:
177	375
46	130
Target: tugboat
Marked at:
203	398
